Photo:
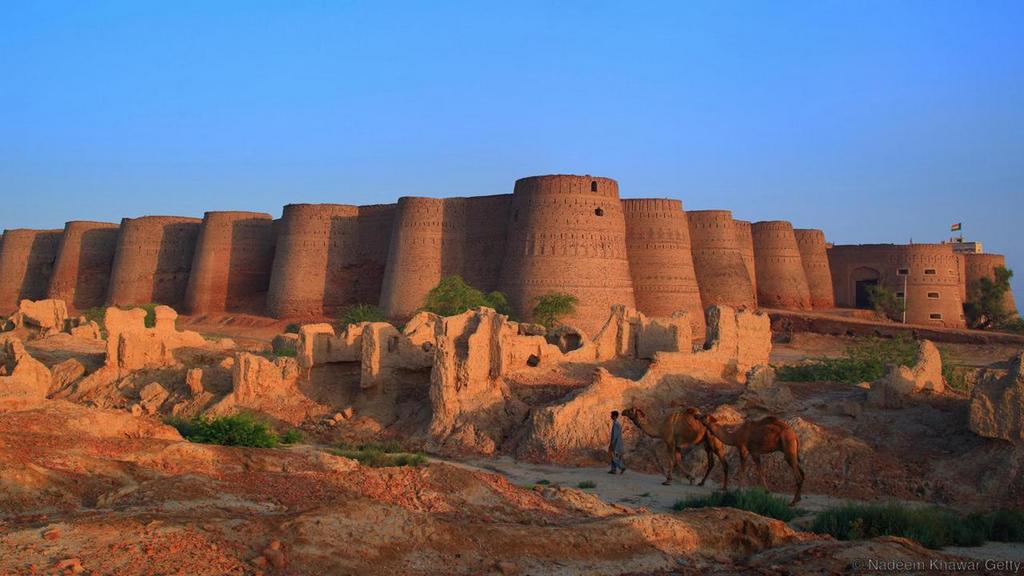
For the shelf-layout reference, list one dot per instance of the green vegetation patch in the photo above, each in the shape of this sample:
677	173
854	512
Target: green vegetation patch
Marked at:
361	313
931	526
454	296
756	500
235	430
587	485
380	455
865	361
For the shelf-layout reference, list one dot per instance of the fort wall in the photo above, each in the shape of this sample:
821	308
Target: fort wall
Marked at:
26	263
927	277
81	274
660	262
781	282
746	244
568	234
815	263
153	260
978	266
425	246
233	259
718	261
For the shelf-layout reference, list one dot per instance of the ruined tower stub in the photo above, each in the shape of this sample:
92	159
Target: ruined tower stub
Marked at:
658	245
567	234
153	260
718	261
81	274
781	281
978	266
231	267
815	262
312	274
746	244
26	263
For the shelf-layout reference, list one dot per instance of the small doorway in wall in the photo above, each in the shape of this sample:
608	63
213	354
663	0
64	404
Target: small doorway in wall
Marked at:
863	278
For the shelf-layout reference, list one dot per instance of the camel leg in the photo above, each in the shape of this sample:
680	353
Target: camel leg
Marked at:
743	462
793	458
680	456
720	452
671	455
711	461
760	471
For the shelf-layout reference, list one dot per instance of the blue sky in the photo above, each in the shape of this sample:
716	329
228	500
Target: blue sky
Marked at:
875	121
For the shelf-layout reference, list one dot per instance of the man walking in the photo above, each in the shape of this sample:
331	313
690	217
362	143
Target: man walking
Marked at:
616	447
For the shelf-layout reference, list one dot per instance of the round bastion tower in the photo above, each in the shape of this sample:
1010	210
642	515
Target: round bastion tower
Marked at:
568	234
978	266
658	245
811	243
718	260
312	274
153	260
746	242
233	259
26	262
82	271
781	281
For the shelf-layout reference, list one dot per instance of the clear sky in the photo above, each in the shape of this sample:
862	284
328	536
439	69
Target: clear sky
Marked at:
875	121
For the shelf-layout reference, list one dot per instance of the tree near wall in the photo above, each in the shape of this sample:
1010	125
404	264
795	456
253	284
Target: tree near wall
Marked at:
986	306
886	302
453	295
552	307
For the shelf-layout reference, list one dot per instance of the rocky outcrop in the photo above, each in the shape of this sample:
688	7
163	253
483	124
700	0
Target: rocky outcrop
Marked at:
152	396
997	405
902	382
764	393
24	381
472	406
65	374
45	316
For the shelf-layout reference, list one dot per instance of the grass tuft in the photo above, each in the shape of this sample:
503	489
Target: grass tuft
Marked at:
379	455
292	436
587	485
756	500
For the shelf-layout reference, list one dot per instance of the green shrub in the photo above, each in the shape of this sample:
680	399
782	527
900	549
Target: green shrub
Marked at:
288	352
292	329
586	485
756	500
379	455
292	436
1005	525
886	302
865	361
361	313
543	482
955	374
552	307
236	430
453	296
96	314
986	301
933	527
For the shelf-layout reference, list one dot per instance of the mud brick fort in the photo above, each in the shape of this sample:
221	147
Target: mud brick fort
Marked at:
560	233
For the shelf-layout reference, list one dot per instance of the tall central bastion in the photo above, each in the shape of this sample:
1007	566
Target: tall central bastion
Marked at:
557	233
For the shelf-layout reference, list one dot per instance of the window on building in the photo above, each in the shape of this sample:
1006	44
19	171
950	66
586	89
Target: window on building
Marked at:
599	211
933	295
935	316
593	185
903	271
929	271
901	295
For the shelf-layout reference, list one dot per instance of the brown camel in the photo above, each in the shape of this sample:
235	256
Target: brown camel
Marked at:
681	432
764	436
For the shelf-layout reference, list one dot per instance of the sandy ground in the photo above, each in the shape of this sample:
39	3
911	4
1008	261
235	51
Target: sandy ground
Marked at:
645	490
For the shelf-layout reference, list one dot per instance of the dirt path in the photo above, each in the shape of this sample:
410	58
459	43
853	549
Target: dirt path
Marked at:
646	490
